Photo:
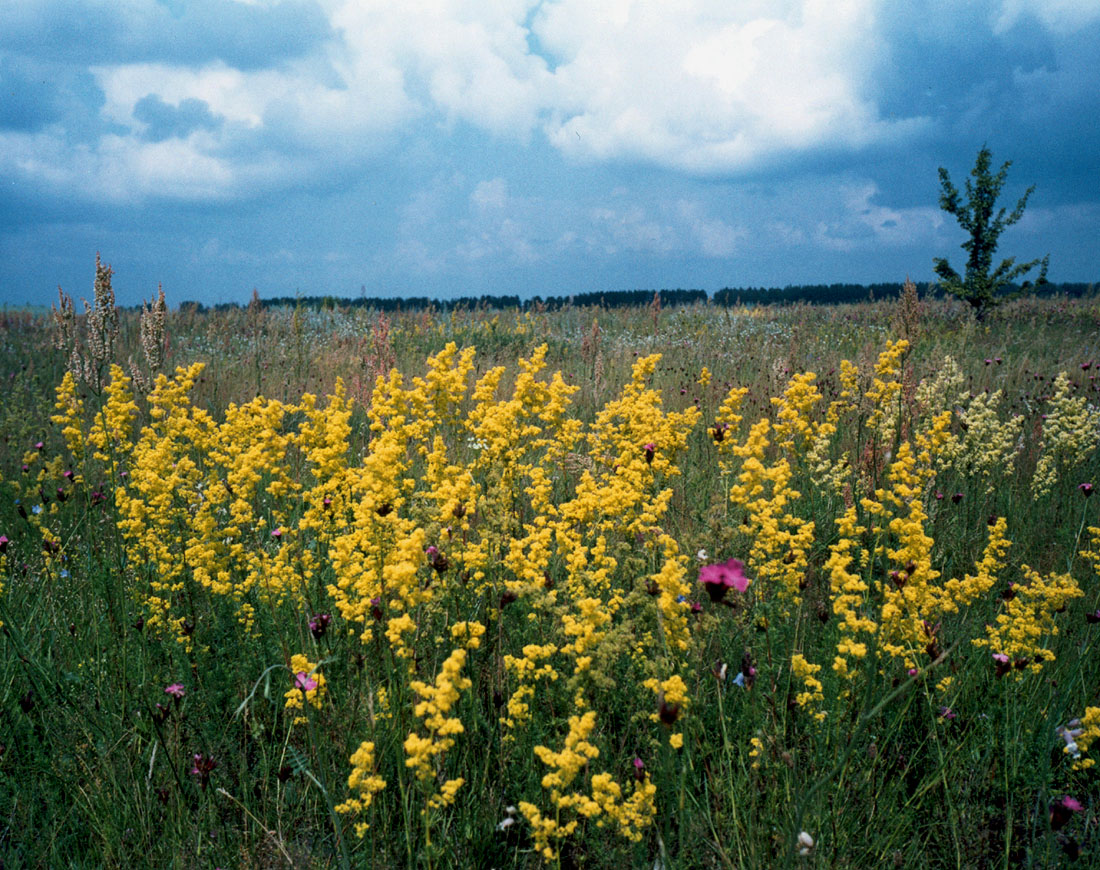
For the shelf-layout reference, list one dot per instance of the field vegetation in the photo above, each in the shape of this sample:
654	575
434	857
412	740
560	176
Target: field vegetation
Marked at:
690	587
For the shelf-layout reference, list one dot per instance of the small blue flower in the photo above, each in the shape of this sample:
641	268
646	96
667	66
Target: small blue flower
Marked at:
680	599
64	574
37	509
739	680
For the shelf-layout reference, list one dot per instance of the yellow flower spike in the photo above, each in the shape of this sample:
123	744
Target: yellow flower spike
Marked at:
364	780
70	415
813	690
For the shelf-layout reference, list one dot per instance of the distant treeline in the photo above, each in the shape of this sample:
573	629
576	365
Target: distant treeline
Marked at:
818	294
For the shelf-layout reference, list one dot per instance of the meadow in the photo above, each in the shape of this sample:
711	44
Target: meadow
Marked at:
698	587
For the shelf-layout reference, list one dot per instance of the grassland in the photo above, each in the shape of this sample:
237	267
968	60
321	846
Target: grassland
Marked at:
288	609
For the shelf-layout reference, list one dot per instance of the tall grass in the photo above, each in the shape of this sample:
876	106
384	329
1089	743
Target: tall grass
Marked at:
206	623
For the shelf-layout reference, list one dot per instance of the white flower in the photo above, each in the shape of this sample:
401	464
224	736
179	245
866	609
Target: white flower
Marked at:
701	555
1070	735
805	843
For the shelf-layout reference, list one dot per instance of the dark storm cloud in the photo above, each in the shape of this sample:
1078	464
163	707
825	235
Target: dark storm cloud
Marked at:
36	93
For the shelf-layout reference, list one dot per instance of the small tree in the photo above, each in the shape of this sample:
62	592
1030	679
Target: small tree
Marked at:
981	283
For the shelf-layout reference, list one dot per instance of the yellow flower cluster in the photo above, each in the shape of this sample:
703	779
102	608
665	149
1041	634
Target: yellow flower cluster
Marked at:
70	415
113	426
484	510
812	692
884	395
603	803
364	780
1028	619
779	539
307	684
434	708
527	670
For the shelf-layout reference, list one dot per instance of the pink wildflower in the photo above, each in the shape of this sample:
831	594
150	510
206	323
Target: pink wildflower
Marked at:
719	579
303	681
176	690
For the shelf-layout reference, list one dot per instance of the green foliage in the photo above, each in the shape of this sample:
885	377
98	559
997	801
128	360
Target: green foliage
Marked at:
981	282
98	761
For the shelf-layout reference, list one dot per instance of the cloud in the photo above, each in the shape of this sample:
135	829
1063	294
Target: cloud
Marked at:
1059	16
245	99
712	89
715	237
489	195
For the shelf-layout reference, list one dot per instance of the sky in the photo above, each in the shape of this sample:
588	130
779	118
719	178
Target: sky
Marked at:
451	148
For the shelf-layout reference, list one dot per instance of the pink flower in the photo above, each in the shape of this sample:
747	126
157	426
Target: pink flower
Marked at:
176	690
276	533
1062	811
719	579
303	681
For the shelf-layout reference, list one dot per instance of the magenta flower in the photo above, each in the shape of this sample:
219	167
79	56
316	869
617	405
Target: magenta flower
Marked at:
176	690
319	624
947	713
639	769
650	449
202	766
719	579
1086	489
1062	811
4	543
276	533
303	681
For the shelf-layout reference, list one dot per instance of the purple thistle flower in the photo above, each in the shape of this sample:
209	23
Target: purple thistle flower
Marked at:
1086	489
